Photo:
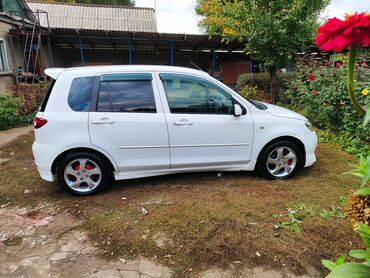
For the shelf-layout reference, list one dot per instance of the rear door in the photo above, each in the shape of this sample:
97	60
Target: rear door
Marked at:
127	121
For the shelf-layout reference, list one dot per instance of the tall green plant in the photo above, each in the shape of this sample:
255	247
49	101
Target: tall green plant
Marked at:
271	30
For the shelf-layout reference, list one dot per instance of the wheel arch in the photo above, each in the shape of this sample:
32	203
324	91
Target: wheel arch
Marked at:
79	149
292	139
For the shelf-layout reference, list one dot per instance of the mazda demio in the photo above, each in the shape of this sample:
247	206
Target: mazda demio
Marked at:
97	124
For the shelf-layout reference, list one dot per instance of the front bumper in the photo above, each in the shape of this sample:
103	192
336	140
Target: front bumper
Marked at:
310	142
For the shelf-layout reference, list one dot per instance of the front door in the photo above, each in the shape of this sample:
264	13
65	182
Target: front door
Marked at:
202	128
129	124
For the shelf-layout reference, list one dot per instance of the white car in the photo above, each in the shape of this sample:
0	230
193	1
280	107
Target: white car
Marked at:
124	122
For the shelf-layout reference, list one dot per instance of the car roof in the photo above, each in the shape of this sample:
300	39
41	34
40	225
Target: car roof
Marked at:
55	72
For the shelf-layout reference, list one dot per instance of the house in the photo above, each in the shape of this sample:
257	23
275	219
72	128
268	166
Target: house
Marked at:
35	35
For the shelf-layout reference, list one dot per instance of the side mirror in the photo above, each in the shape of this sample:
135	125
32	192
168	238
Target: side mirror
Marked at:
237	110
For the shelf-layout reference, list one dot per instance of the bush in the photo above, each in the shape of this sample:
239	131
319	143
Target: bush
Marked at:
9	106
256	85
319	91
259	80
31	96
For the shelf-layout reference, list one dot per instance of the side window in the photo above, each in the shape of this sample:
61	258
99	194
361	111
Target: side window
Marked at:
188	94
126	96
79	96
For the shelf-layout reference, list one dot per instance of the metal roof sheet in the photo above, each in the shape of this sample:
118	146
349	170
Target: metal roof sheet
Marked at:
95	17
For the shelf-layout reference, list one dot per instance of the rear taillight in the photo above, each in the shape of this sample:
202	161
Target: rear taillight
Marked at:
39	122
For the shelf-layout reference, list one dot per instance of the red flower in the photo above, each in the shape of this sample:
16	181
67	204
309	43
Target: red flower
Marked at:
315	93
311	77
338	64
337	34
328	63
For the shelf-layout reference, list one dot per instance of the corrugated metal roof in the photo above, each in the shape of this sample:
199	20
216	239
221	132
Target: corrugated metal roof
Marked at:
96	17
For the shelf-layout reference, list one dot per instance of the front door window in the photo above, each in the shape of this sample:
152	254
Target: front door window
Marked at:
189	95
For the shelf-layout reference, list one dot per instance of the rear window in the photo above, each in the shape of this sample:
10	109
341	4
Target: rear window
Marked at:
79	96
46	97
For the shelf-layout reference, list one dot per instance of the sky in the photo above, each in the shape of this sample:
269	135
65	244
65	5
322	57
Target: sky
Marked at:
178	16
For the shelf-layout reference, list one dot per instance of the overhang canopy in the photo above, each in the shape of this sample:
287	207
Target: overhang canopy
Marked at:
96	39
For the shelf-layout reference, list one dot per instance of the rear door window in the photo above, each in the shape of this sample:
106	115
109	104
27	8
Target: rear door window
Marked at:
126	93
79	96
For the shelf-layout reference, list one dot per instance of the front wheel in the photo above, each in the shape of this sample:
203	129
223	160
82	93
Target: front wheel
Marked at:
83	173
280	160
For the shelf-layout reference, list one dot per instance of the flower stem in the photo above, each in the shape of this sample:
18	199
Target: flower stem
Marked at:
351	75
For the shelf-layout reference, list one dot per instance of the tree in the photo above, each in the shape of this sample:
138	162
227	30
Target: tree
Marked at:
271	30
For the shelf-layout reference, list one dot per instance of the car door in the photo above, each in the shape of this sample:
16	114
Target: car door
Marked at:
127	121
203	130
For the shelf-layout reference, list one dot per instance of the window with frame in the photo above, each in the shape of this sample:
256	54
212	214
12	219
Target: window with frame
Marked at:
3	59
134	96
187	94
80	93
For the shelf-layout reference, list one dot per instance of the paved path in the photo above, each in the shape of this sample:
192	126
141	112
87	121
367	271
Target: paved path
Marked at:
44	242
6	136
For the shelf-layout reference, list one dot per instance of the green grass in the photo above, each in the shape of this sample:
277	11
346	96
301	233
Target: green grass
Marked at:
206	221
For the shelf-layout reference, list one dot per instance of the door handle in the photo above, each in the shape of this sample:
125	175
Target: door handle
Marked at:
182	122
102	121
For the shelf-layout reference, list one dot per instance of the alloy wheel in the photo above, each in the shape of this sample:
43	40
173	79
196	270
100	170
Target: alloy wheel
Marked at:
82	175
281	162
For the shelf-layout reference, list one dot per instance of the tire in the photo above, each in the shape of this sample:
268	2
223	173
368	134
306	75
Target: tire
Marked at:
83	173
285	157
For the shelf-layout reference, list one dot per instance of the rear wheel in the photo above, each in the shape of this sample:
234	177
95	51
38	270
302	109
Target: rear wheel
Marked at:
83	173
280	160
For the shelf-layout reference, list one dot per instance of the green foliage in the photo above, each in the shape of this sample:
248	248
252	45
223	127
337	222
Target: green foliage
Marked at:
357	270
324	100
259	80
367	117
353	269
349	143
363	170
332	213
335	211
296	213
338	261
256	85
272	30
9	111
249	92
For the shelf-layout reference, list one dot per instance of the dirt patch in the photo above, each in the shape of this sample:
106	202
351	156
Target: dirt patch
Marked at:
206	220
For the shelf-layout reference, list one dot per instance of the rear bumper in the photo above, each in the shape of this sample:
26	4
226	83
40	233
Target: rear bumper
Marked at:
46	175
43	160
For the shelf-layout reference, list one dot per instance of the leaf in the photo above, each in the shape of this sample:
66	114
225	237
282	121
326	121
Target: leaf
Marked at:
364	231
367	117
346	270
340	259
329	264
360	254
363	191
363	171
